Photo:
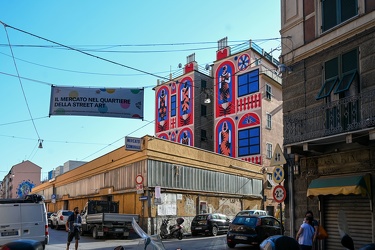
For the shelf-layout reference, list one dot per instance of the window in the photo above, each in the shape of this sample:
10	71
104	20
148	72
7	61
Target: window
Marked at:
249	141
337	11
339	73
269	121
173	105
203	110
203	135
268	91
257	61
248	83
269	180
269	176
269	150
203	84
202	207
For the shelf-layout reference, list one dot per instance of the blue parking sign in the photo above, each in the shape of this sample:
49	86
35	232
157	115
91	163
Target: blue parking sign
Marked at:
278	174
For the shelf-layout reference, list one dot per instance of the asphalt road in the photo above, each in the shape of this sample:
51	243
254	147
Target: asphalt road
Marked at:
58	242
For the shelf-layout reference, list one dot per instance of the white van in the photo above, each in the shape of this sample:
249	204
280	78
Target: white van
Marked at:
23	219
252	212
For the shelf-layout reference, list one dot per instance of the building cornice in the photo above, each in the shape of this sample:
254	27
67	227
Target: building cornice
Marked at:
331	38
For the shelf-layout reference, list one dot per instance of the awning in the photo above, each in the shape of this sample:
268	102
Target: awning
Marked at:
335	185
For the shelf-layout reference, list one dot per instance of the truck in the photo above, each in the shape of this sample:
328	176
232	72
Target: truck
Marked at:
23	219
102	218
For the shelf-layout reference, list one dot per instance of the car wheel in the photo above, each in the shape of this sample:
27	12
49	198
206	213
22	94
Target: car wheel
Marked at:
95	233
231	244
214	231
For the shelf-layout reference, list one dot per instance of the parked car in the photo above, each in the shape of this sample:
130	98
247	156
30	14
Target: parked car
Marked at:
252	212
23	244
59	218
209	224
49	218
252	229
279	242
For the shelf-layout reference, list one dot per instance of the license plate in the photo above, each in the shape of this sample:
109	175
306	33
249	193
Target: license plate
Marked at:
9	233
198	228
239	237
119	230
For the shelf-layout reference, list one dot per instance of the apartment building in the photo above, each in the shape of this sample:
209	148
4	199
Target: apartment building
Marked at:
329	120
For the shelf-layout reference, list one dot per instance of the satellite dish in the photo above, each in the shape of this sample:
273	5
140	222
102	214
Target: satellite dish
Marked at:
180	65
207	67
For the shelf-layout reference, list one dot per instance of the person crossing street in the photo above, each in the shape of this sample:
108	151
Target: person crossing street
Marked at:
73	227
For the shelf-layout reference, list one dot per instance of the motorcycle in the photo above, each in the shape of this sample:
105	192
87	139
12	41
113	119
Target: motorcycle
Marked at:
173	231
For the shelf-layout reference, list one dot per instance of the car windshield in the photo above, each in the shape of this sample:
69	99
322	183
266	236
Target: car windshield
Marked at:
247	221
67	213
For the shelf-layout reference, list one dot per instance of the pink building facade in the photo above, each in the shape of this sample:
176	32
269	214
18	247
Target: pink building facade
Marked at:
20	180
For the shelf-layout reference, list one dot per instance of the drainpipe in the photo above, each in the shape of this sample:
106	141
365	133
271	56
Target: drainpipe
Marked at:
291	197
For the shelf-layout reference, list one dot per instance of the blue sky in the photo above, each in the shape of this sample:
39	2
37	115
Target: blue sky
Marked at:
152	36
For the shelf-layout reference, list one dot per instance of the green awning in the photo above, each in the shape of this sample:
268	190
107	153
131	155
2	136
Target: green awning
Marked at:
335	185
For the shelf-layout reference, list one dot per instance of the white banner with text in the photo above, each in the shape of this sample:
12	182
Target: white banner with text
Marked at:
106	102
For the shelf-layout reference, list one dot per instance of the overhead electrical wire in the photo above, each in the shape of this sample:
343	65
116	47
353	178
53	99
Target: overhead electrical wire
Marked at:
101	58
55	141
107	145
150	122
80	51
80	72
23	91
138	45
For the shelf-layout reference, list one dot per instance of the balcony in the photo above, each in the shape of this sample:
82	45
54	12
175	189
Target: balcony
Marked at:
352	115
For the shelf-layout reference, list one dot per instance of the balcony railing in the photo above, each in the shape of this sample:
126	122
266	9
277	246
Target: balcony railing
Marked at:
345	115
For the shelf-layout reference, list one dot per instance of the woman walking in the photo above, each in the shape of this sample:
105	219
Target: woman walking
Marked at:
306	234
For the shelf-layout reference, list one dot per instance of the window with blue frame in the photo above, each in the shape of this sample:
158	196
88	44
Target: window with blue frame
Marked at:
248	83
173	105
249	141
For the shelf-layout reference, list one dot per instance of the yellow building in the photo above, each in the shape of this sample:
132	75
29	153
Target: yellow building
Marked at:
190	180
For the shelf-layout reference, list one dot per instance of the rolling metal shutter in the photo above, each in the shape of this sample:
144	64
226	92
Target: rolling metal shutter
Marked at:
358	215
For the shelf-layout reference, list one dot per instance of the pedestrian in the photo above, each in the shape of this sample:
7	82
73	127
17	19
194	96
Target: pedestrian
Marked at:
306	234
316	227
73	227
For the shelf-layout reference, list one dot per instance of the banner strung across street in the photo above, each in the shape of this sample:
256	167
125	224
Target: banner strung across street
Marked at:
114	102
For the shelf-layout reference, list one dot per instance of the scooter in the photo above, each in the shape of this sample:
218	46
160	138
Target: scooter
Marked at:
173	231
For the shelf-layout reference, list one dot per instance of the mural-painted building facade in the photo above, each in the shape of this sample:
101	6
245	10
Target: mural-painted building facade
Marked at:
181	114
20	180
235	109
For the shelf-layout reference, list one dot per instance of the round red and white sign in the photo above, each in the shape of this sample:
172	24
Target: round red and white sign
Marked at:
279	193
139	179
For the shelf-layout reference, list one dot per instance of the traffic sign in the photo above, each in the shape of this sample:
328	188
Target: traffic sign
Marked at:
139	179
139	188
143	198
53	198
278	157
278	174
279	193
